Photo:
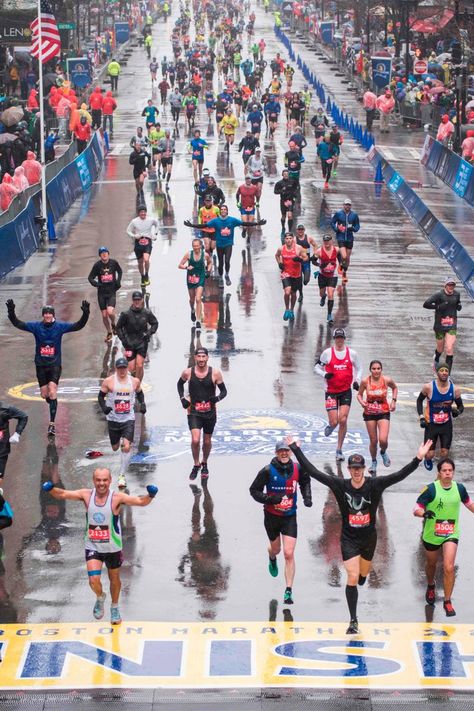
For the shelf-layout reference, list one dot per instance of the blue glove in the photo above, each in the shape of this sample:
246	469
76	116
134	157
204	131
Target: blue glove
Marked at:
152	490
316	274
47	486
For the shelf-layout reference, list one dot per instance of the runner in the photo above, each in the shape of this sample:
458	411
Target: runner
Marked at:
256	166
197	146
166	149
345	224
337	140
207	212
164	88
201	402
7	413
326	152
48	335
247	145
135	327
141	162
190	104
117	402
246	197
287	189
446	304
289	258
438	505
228	125
153	67
106	277
142	230
103	533
437	419
272	110
150	112
198	264
304	241
358	499
340	367
176	102
255	118
280	479
328	256
377	411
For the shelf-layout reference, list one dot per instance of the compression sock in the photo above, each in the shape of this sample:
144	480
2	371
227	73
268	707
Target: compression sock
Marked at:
290	224
330	306
351	597
437	356
362	579
53	408
125	458
449	361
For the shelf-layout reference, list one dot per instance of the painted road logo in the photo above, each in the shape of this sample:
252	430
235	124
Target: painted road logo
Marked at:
142	655
251	432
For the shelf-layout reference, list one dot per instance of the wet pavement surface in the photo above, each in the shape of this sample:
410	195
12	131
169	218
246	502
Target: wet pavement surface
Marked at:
197	556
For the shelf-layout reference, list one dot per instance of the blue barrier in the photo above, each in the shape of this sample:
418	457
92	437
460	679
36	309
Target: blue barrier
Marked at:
457	173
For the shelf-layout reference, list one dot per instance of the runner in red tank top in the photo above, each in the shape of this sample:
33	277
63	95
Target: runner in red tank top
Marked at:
328	256
377	411
289	258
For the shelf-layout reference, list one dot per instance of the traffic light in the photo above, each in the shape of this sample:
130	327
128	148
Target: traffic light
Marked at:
456	53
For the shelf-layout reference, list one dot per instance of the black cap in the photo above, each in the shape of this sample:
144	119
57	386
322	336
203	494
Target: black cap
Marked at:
356	460
327	238
300	227
47	310
201	349
137	295
339	333
121	363
140	208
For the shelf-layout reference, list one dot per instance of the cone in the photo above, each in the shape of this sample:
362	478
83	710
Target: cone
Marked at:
378	189
323	96
329	106
51	231
378	178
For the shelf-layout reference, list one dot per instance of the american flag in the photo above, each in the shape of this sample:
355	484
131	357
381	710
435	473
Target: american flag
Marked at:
50	40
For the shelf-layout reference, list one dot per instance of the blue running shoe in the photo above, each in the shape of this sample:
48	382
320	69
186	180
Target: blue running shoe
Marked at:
428	464
286	315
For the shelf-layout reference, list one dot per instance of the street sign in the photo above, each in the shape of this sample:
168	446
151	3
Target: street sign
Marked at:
66	25
420	66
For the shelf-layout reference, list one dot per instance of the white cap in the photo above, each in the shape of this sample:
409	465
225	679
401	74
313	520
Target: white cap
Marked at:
347	201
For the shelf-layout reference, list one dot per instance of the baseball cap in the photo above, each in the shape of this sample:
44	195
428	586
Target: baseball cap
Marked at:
137	295
103	249
47	310
356	460
258	150
449	280
281	444
339	333
327	238
347	201
141	208
201	349
300	227
121	363
205	171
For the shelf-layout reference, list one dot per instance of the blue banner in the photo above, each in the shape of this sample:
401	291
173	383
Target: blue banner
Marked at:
18	239
395	182
122	32
79	70
381	71
463	176
327	32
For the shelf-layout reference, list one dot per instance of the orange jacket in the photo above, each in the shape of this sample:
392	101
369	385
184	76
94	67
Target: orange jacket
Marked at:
109	104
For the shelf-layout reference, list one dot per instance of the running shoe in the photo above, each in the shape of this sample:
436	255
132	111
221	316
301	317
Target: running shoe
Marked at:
52	430
323	300
198	325
449	609
115	616
98	610
194	471
286	315
334	172
430	595
328	430
227	280
93	453
288	597
428	464
330	318
122	482
339	270
193	315
345	279
339	455
326	185
291	315
204	471
146	282
273	567
143	280
353	627
373	467
385	459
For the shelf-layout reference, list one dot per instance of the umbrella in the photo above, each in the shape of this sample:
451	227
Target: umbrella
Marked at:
470	104
7	138
12	115
437	90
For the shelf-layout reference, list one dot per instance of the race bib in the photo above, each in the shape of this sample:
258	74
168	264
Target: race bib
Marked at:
225	231
285	275
447	321
257	173
202	406
248	209
329	269
196	153
144	241
443	529
99	534
247	151
439	418
2	435
359	520
256	125
373	408
122	407
331	403
287	203
106	278
285	504
47	351
193	279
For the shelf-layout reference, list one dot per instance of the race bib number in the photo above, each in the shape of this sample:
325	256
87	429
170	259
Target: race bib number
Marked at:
47	351
285	275
373	408
225	231
128	354
359	520
248	209
144	241
106	278
331	403
202	406
285	504
257	173
99	534
122	407
439	418
196	153
329	269
247	151
193	279
273	117
287	203
256	125
447	321
443	529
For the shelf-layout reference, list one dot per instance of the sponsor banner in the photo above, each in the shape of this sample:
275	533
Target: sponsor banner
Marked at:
79	70
122	32
326	30
18	238
463	177
381	71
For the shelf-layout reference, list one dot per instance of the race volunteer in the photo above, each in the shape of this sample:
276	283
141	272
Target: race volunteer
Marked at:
142	230
446	304
289	258
135	327
48	335
345	224
7	413
106	277
103	535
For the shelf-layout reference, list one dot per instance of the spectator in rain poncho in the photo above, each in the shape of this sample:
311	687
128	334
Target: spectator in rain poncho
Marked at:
7	192
32	168
20	181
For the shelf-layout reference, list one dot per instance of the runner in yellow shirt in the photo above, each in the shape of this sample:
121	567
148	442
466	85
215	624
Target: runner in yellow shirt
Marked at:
228	125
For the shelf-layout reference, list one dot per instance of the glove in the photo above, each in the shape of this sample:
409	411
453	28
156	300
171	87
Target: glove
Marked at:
454	413
314	260
297	259
274	499
316	274
429	514
47	486
118	286
458	306
10	304
355	385
280	266
143	408
262	222
85	307
308	503
423	422
185	403
107	410
207	275
15	438
187	223
328	376
214	399
152	490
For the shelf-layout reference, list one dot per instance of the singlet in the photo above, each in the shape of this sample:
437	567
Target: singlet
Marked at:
206	214
290	268
122	400
376	397
303	242
103	531
195	277
200	392
342	369
280	484
440	405
446	504
328	262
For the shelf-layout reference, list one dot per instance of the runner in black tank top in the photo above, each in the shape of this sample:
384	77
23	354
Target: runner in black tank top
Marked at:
306	243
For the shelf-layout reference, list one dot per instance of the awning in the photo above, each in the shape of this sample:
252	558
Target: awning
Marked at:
432	25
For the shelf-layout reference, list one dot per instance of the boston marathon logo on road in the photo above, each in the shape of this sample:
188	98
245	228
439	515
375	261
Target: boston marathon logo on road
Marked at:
69	390
250	432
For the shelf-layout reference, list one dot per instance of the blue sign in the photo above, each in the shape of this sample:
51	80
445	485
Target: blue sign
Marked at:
122	32
463	176
381	71
79	70
395	182
327	32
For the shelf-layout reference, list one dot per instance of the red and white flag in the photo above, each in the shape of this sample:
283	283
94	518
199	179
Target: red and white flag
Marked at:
50	40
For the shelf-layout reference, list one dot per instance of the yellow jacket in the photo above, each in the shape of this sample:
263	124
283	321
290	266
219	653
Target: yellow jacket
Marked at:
229	124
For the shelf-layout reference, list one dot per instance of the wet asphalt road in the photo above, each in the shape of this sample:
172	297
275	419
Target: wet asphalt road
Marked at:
203	556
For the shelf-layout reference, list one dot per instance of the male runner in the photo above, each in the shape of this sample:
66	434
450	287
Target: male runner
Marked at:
197	263
289	258
106	277
197	146
228	125
7	413
340	367
206	213
345	224
201	402
103	534
438	505
446	304
358	499
135	327
48	335
306	243
437	419
247	196
117	401
287	189
327	255
280	479
142	230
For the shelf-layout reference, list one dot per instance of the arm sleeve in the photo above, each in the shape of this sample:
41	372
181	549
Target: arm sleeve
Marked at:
305	485
77	325
17	323
153	321
15	414
92	277
431	302
121	328
465	498
323	478
321	362
357	365
258	485
355	223
334	222
118	269
384	482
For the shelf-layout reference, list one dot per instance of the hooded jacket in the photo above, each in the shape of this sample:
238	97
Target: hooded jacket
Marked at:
20	181
32	168
7	191
96	99
109	104
32	102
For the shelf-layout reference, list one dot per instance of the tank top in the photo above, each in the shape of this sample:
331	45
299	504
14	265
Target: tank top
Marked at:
200	392
342	370
122	401
290	268
303	242
279	484
328	262
376	397
440	404
195	275
446	505
103	532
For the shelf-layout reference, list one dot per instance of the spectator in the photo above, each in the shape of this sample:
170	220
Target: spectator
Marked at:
7	191
445	130
63	110
108	107
468	146
82	133
32	102
113	70
14	77
20	181
51	139
385	104
369	102
74	117
31	78
96	101
84	112
32	168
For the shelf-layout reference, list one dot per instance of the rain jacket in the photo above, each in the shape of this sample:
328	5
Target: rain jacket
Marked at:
32	168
